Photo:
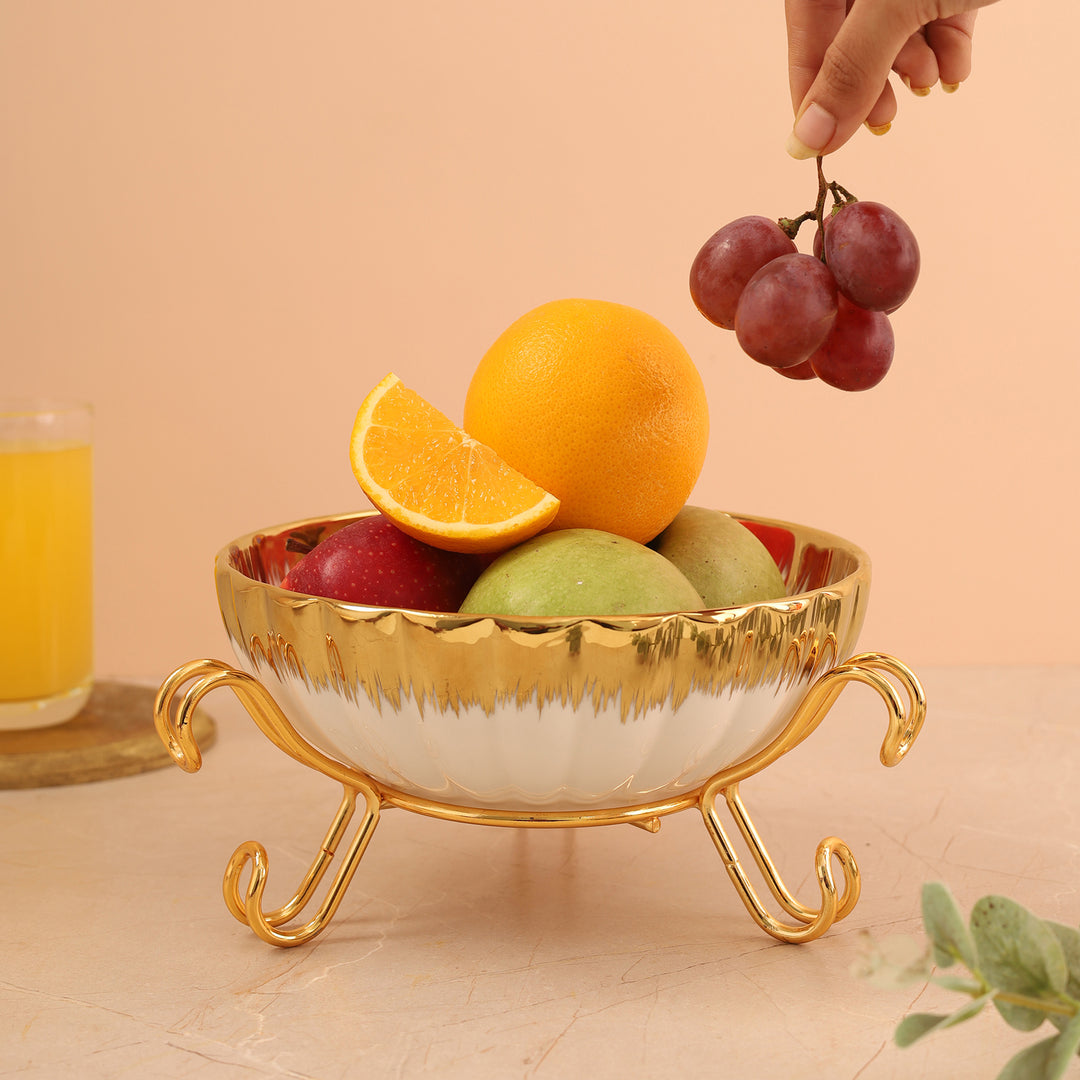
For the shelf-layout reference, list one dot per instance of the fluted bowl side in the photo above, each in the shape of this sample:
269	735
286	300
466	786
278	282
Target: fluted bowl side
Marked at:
545	713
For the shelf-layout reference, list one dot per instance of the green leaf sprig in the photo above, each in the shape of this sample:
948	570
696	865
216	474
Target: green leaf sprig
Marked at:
1028	968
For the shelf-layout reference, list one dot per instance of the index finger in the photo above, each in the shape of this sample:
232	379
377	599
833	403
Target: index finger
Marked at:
811	27
851	79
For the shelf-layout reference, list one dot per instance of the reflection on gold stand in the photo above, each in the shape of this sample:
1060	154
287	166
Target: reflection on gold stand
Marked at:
174	711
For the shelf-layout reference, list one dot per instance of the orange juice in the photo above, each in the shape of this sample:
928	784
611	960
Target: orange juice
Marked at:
46	606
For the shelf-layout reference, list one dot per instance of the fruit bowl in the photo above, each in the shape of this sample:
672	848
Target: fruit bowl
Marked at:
545	713
544	721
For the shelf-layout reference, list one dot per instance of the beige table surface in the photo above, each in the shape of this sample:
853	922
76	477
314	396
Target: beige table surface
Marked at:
465	951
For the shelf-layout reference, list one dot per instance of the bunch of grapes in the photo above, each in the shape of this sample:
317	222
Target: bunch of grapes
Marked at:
823	315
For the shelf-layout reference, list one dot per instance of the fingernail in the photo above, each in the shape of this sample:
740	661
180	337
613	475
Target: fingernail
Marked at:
918	91
878	129
950	87
811	133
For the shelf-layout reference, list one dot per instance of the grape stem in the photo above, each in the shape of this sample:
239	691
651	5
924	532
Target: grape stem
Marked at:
840	197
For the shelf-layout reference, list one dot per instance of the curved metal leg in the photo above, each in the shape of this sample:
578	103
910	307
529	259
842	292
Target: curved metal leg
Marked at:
903	729
173	721
247	904
811	924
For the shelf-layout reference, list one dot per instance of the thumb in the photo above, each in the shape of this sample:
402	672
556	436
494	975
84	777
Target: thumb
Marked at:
852	75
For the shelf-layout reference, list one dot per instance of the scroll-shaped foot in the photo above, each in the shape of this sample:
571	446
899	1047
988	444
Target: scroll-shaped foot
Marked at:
904	724
835	904
173	710
246	903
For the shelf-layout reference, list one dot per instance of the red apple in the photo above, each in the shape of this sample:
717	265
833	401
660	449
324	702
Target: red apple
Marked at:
371	561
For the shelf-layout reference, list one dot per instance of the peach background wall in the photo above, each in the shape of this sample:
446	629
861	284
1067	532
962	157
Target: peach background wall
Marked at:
223	222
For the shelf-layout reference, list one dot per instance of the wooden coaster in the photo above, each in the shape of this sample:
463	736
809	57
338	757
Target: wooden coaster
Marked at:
114	735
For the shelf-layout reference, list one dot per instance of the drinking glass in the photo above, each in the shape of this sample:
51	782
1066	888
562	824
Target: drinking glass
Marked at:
46	600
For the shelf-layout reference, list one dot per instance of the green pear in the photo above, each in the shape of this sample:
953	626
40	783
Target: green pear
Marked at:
584	572
727	564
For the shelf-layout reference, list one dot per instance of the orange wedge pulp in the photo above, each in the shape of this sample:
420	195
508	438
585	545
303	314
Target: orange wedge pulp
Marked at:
437	483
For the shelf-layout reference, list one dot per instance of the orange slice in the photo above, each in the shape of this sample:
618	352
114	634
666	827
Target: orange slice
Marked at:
437	483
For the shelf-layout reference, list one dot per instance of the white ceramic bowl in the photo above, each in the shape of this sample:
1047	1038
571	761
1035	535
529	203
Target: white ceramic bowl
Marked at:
547	714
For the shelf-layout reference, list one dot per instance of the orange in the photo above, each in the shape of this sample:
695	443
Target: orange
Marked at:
436	483
599	404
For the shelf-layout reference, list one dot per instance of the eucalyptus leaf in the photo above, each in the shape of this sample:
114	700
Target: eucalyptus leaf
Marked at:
1070	1038
1070	943
893	962
946	928
1069	939
914	1027
917	1025
1019	1016
1029	968
1063	1022
959	983
1033	1063
1046	1060
1017	952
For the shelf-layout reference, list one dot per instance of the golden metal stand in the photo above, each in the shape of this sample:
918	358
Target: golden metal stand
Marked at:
174	723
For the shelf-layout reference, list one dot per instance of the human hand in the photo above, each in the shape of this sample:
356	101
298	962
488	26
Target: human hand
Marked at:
840	53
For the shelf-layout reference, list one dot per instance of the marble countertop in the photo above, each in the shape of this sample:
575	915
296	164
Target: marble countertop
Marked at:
465	951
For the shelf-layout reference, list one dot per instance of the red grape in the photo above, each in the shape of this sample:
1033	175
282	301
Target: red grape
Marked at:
804	370
819	233
729	259
873	255
786	310
812	316
858	352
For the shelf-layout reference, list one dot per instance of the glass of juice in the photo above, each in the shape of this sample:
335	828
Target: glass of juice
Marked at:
46	601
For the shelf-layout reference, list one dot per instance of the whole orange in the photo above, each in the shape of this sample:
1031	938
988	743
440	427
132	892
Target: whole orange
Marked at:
599	404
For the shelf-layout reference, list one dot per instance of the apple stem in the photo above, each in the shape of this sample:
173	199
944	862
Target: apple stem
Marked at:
303	542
